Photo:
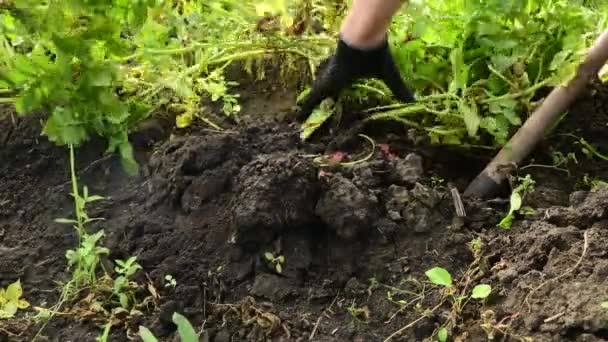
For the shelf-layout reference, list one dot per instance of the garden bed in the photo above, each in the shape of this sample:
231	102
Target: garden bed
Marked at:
356	238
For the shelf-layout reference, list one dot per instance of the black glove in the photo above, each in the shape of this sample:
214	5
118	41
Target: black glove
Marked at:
348	65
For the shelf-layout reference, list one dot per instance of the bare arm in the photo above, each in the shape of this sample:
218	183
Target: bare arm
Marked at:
367	23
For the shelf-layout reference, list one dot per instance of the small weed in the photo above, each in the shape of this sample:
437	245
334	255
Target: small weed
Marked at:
358	314
492	327
437	181
441	276
85	259
11	301
105	334
184	329
526	185
125	269
276	262
85	264
475	246
170	281
594	184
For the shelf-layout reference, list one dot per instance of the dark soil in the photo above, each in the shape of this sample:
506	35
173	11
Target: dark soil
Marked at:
357	239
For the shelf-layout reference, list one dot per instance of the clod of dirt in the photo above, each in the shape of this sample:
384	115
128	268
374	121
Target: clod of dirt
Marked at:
177	164
507	276
204	188
577	198
545	197
276	192
166	312
414	208
345	209
408	171
592	209
222	336
272	287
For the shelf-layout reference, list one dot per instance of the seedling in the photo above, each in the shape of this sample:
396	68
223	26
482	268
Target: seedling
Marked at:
11	301
125	269
440	276
85	259
437	181
105	334
594	184
358	314
526	186
475	246
184	329
170	281
277	262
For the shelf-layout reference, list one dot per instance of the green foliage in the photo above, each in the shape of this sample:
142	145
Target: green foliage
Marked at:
526	185
318	116
125	269
146	335
61	58
105	334
184	329
481	291
439	276
277	261
442	335
99	67
170	281
85	259
11	301
478	66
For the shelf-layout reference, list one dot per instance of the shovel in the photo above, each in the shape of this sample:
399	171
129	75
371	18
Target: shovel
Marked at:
489	182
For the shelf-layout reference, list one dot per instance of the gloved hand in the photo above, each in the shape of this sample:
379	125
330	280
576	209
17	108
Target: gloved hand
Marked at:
349	64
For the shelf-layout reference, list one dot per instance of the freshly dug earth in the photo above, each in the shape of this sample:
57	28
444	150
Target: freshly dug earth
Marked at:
356	237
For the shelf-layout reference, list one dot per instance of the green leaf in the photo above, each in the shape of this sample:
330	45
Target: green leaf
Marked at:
268	256
94	198
124	300
13	291
317	118
604	305
184	120
146	335
481	291
471	118
442	335
559	59
127	158
184	328
506	222
100	78
106	333
439	276
63	128
8	310
515	202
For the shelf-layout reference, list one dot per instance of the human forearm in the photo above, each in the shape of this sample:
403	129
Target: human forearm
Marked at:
368	21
